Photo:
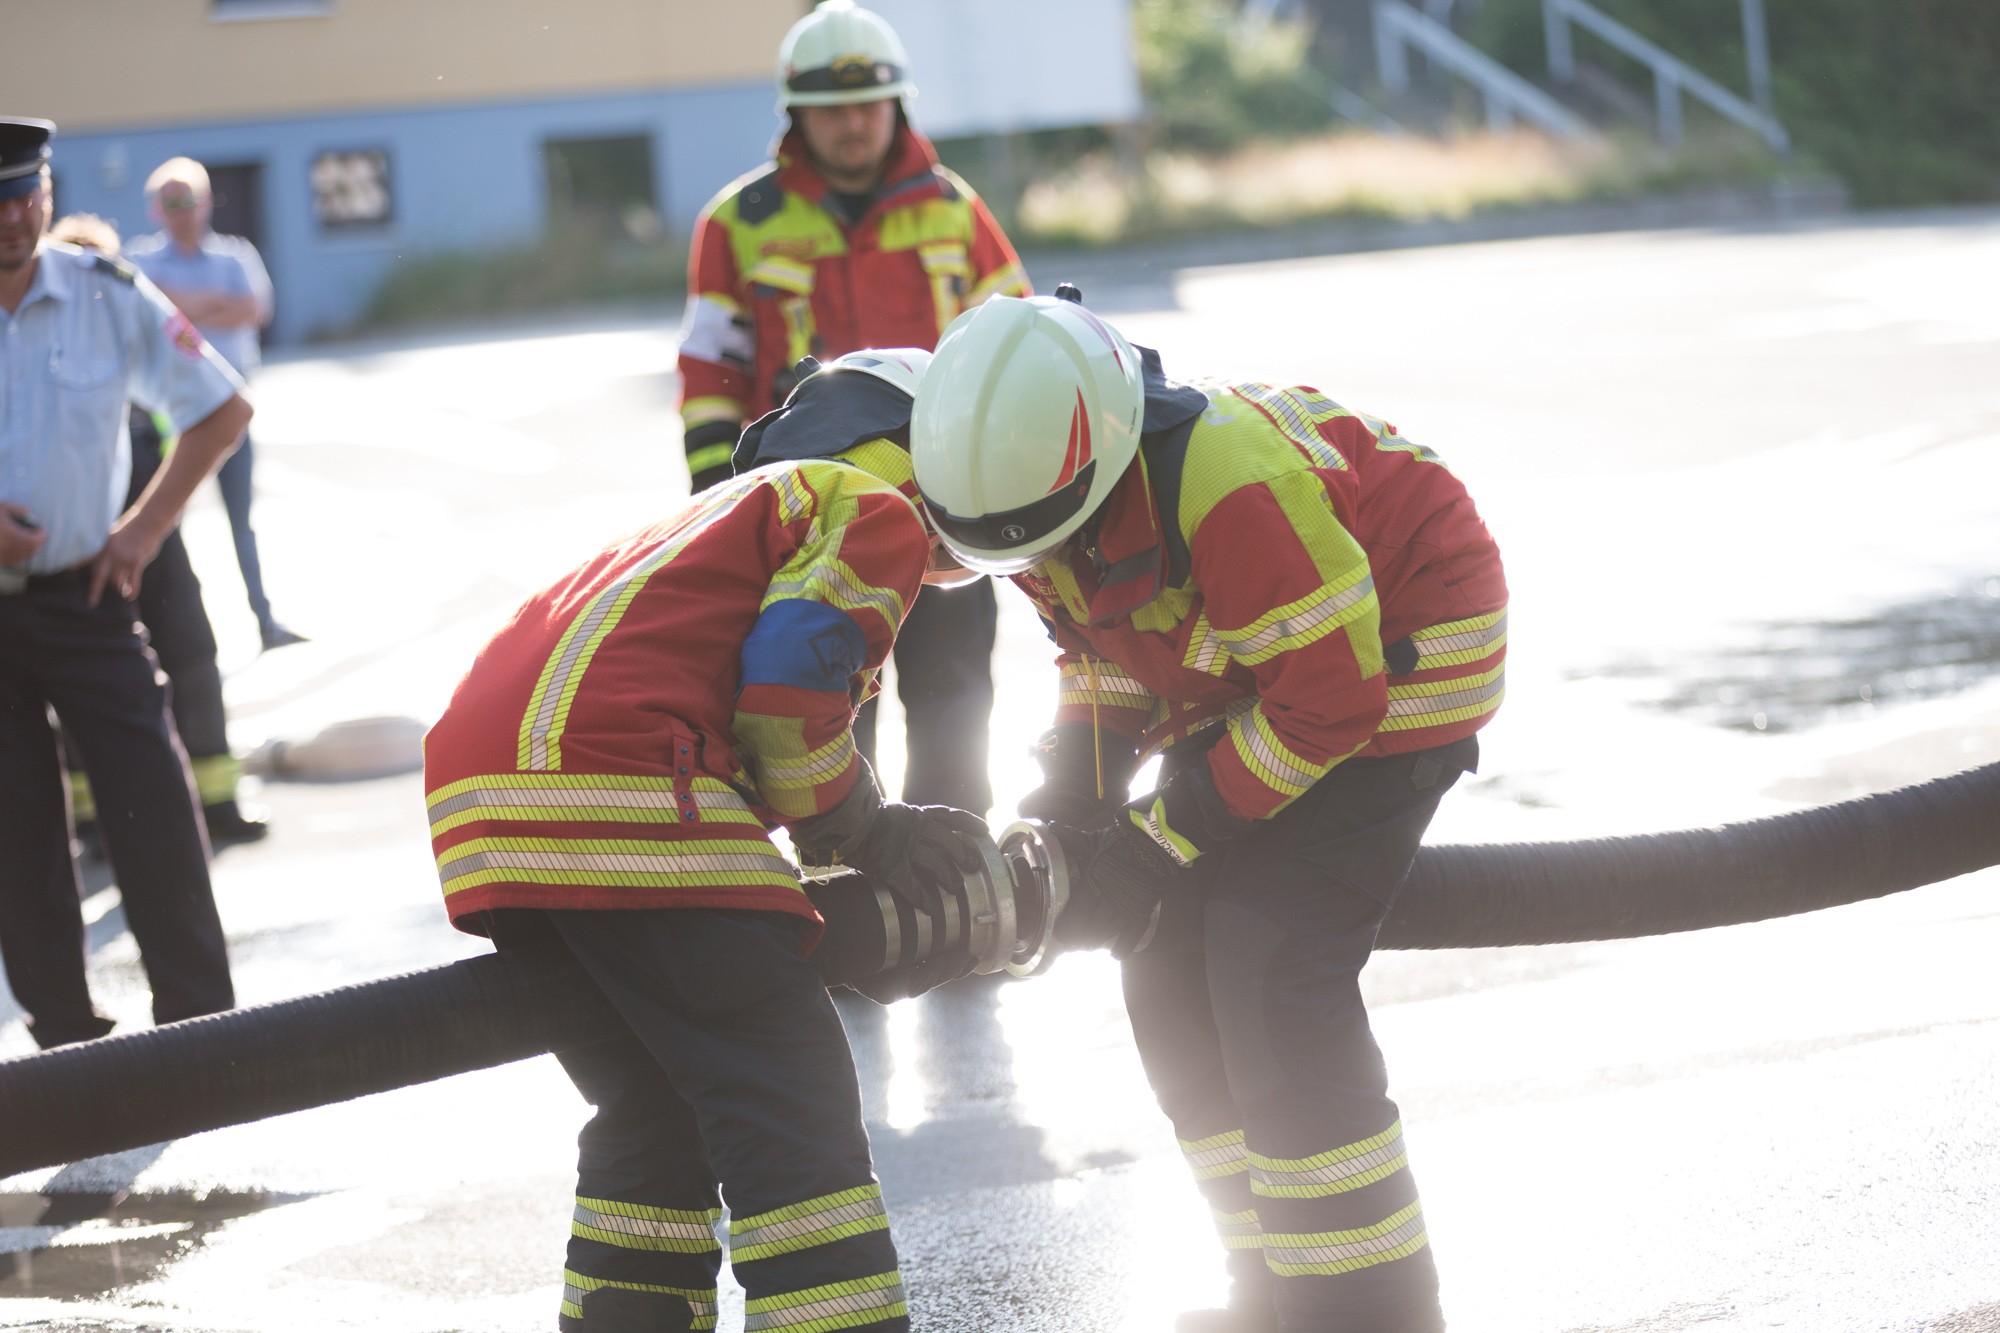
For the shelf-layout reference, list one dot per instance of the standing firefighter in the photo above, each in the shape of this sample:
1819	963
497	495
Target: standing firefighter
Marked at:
855	237
607	772
1303	611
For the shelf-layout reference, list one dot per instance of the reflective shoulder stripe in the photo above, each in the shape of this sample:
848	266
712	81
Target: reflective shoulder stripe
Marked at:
1299	413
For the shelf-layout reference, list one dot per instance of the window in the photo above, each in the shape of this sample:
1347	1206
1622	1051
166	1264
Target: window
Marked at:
603	188
351	189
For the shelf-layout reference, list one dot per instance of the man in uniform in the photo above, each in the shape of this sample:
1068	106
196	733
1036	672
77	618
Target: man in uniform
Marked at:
1303	611
607	772
84	334
855	237
220	283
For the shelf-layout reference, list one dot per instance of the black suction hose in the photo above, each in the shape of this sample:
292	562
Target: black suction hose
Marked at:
124	1092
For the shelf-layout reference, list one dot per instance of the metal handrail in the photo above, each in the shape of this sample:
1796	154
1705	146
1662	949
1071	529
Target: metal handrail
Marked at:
1507	95
1672	76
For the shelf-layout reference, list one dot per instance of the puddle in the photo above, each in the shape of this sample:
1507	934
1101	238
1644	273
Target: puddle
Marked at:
1790	675
77	1246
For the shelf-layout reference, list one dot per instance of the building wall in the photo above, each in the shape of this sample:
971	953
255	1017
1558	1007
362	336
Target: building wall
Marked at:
117	63
463	178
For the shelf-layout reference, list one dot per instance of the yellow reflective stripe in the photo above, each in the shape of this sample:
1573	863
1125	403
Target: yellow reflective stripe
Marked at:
1459	642
1007	280
1335	1172
944	257
1206	651
638	1226
1327	1252
1218	1155
833	581
865	1300
1239	1231
1267	758
1388	441
796	499
1153	823
615	862
1101	683
1432	703
1306	620
801	1226
709	456
1298	413
787	275
789	768
576	1286
702	411
798	316
539	745
574	798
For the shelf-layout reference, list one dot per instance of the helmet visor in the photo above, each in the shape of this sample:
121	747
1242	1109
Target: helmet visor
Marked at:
1012	541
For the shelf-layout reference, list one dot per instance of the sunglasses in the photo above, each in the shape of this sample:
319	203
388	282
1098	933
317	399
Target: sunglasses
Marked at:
180	203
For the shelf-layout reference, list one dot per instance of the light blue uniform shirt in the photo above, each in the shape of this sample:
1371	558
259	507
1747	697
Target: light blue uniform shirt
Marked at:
90	334
226	264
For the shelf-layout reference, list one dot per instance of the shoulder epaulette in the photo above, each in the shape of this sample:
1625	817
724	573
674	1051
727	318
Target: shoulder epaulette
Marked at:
117	268
761	198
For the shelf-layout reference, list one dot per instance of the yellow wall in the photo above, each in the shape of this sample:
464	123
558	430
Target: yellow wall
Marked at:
100	64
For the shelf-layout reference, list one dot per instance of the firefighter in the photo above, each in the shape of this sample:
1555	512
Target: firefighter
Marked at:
1303	613
854	237
606	774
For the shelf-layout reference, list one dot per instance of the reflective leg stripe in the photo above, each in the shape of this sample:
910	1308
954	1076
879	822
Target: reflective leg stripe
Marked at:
608	798
1327	1252
801	1226
1217	1155
1239	1231
615	862
865	1300
1335	1172
576	1286
635	1226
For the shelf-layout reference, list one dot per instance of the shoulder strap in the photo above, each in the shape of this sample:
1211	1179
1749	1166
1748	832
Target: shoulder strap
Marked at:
761	199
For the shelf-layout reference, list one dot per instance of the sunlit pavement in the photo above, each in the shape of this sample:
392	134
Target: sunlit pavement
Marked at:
1748	487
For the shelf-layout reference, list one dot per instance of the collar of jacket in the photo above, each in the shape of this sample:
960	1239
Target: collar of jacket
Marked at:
911	173
1124	548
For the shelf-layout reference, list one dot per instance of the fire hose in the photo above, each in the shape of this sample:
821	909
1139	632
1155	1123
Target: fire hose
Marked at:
146	1087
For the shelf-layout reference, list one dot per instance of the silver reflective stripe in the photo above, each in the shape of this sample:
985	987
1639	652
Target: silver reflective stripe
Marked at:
1421	705
1438	645
1282	769
792	1228
1220	1159
796	1316
650	1227
1297	625
636	862
786	772
1331	1178
1322	1253
660	799
845	595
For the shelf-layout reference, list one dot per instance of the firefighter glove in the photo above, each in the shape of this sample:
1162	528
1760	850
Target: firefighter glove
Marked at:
917	852
1118	880
1070	754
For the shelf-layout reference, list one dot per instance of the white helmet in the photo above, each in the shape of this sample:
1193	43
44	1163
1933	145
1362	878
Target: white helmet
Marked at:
1029	415
899	367
841	53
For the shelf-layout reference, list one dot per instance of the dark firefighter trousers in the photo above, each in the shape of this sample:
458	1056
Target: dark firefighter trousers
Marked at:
732	1081
1248	1016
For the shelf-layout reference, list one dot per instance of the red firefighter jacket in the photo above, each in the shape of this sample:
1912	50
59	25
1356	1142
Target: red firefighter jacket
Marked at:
1329	591
778	270
628	737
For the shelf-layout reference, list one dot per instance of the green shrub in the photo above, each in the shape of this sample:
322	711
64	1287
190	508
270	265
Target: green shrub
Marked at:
576	271
1897	99
1213	81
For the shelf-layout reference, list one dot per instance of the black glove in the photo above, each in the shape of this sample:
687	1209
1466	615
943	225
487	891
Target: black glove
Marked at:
914	851
1069	754
1118	879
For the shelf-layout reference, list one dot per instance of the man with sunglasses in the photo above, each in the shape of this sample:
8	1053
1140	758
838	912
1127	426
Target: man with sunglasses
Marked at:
83	335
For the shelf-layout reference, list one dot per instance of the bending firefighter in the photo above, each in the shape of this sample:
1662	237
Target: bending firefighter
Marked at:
1302	611
854	237
607	773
